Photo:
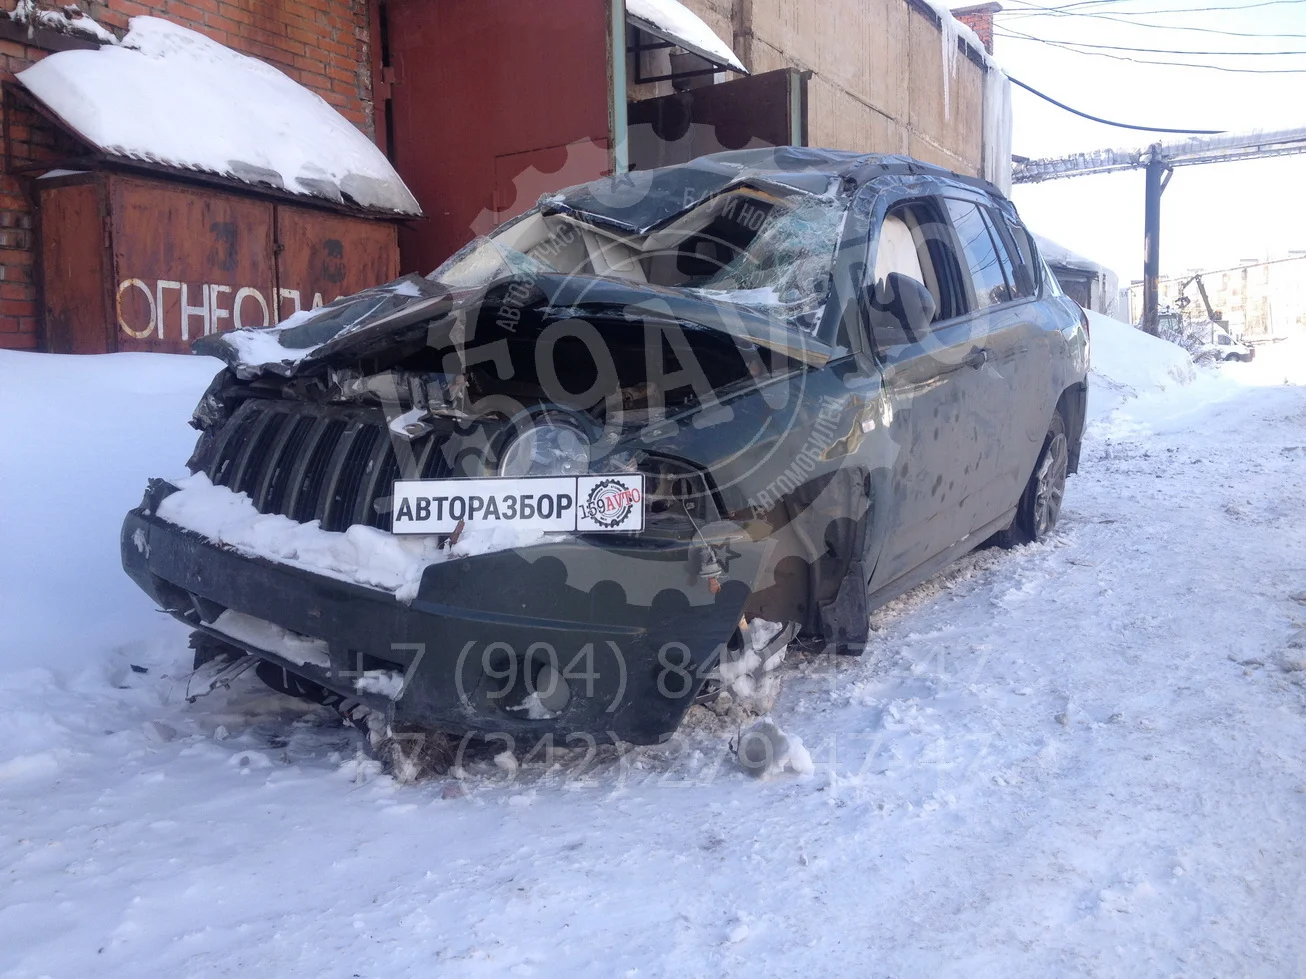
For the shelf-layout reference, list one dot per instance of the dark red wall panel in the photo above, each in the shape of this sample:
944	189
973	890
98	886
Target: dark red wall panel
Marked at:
486	93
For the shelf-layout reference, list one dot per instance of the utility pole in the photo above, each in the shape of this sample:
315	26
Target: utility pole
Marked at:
1158	176
1158	162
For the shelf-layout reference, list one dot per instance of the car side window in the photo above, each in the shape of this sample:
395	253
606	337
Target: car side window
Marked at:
1016	238
1014	265
1004	253
979	254
914	242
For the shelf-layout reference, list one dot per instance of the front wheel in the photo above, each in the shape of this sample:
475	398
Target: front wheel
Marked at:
1040	503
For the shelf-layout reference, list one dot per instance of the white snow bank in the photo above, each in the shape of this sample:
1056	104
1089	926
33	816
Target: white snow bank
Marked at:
363	555
171	95
677	22
765	750
82	435
749	673
1128	363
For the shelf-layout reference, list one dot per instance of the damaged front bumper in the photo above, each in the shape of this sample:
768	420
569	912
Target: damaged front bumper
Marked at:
608	639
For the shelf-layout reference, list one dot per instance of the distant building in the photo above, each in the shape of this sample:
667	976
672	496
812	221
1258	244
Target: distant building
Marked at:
1256	300
1088	283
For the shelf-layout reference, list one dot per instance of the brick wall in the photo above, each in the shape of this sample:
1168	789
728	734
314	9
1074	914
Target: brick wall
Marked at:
324	45
31	139
980	20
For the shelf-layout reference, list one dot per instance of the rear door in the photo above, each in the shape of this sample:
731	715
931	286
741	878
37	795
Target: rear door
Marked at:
1013	388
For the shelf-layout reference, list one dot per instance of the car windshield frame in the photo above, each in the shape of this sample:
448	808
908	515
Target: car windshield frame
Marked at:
787	278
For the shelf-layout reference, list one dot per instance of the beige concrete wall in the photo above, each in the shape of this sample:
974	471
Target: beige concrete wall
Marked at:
877	74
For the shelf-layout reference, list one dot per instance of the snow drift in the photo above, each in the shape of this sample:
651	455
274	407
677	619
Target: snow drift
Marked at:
1126	363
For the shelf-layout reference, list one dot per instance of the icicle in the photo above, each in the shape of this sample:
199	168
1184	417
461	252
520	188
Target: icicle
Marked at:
948	33
997	128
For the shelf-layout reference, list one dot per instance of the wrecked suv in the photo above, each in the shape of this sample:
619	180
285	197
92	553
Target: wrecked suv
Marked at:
657	425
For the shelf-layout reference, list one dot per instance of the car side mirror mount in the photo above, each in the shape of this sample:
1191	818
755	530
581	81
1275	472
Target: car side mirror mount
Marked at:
901	309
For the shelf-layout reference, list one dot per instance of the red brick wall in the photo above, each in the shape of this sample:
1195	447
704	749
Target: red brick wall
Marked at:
30	139
980	20
324	45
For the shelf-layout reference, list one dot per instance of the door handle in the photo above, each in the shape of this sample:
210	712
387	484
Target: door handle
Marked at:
977	358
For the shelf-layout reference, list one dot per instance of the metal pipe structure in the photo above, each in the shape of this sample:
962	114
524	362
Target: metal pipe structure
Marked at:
1158	161
1189	152
1158	175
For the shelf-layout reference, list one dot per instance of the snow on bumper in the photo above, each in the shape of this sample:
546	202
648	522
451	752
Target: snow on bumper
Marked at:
565	637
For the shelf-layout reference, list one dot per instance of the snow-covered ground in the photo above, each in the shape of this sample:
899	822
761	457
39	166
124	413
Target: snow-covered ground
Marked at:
1082	758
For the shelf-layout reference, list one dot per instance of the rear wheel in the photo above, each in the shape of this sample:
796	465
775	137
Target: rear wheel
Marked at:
1040	503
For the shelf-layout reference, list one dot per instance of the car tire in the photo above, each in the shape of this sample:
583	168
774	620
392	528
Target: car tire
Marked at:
1040	503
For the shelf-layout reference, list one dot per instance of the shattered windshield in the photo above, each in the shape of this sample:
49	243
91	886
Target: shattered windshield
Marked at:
765	246
786	268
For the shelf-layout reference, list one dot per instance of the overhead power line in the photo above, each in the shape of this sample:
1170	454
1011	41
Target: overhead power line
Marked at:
1072	46
1118	47
1037	11
1120	125
1182	10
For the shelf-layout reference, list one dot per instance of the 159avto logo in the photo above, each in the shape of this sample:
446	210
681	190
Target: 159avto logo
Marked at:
610	503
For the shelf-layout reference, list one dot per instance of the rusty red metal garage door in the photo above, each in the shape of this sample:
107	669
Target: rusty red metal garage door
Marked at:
138	264
323	256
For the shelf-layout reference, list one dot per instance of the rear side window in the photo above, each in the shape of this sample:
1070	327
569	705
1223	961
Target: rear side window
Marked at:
1015	240
1004	250
979	254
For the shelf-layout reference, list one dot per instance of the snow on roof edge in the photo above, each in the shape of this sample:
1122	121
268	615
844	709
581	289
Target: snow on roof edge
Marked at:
1054	253
690	31
171	96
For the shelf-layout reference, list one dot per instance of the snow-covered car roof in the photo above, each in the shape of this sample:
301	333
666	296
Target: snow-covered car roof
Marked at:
168	95
642	200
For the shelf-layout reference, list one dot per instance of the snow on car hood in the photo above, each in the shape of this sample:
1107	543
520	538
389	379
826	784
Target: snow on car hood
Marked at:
173	96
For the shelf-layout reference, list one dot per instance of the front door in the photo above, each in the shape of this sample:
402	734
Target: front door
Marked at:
933	386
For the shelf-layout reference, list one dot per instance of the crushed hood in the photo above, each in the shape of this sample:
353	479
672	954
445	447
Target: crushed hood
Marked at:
407	309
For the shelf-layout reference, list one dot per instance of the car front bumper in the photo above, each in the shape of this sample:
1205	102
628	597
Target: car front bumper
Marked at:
628	625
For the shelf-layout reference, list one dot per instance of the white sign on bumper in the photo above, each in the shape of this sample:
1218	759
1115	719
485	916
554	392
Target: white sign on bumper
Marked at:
552	504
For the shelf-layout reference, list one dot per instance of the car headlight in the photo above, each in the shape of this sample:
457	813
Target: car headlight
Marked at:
552	445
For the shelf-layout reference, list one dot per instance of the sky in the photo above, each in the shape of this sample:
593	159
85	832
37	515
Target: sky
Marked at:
1213	215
